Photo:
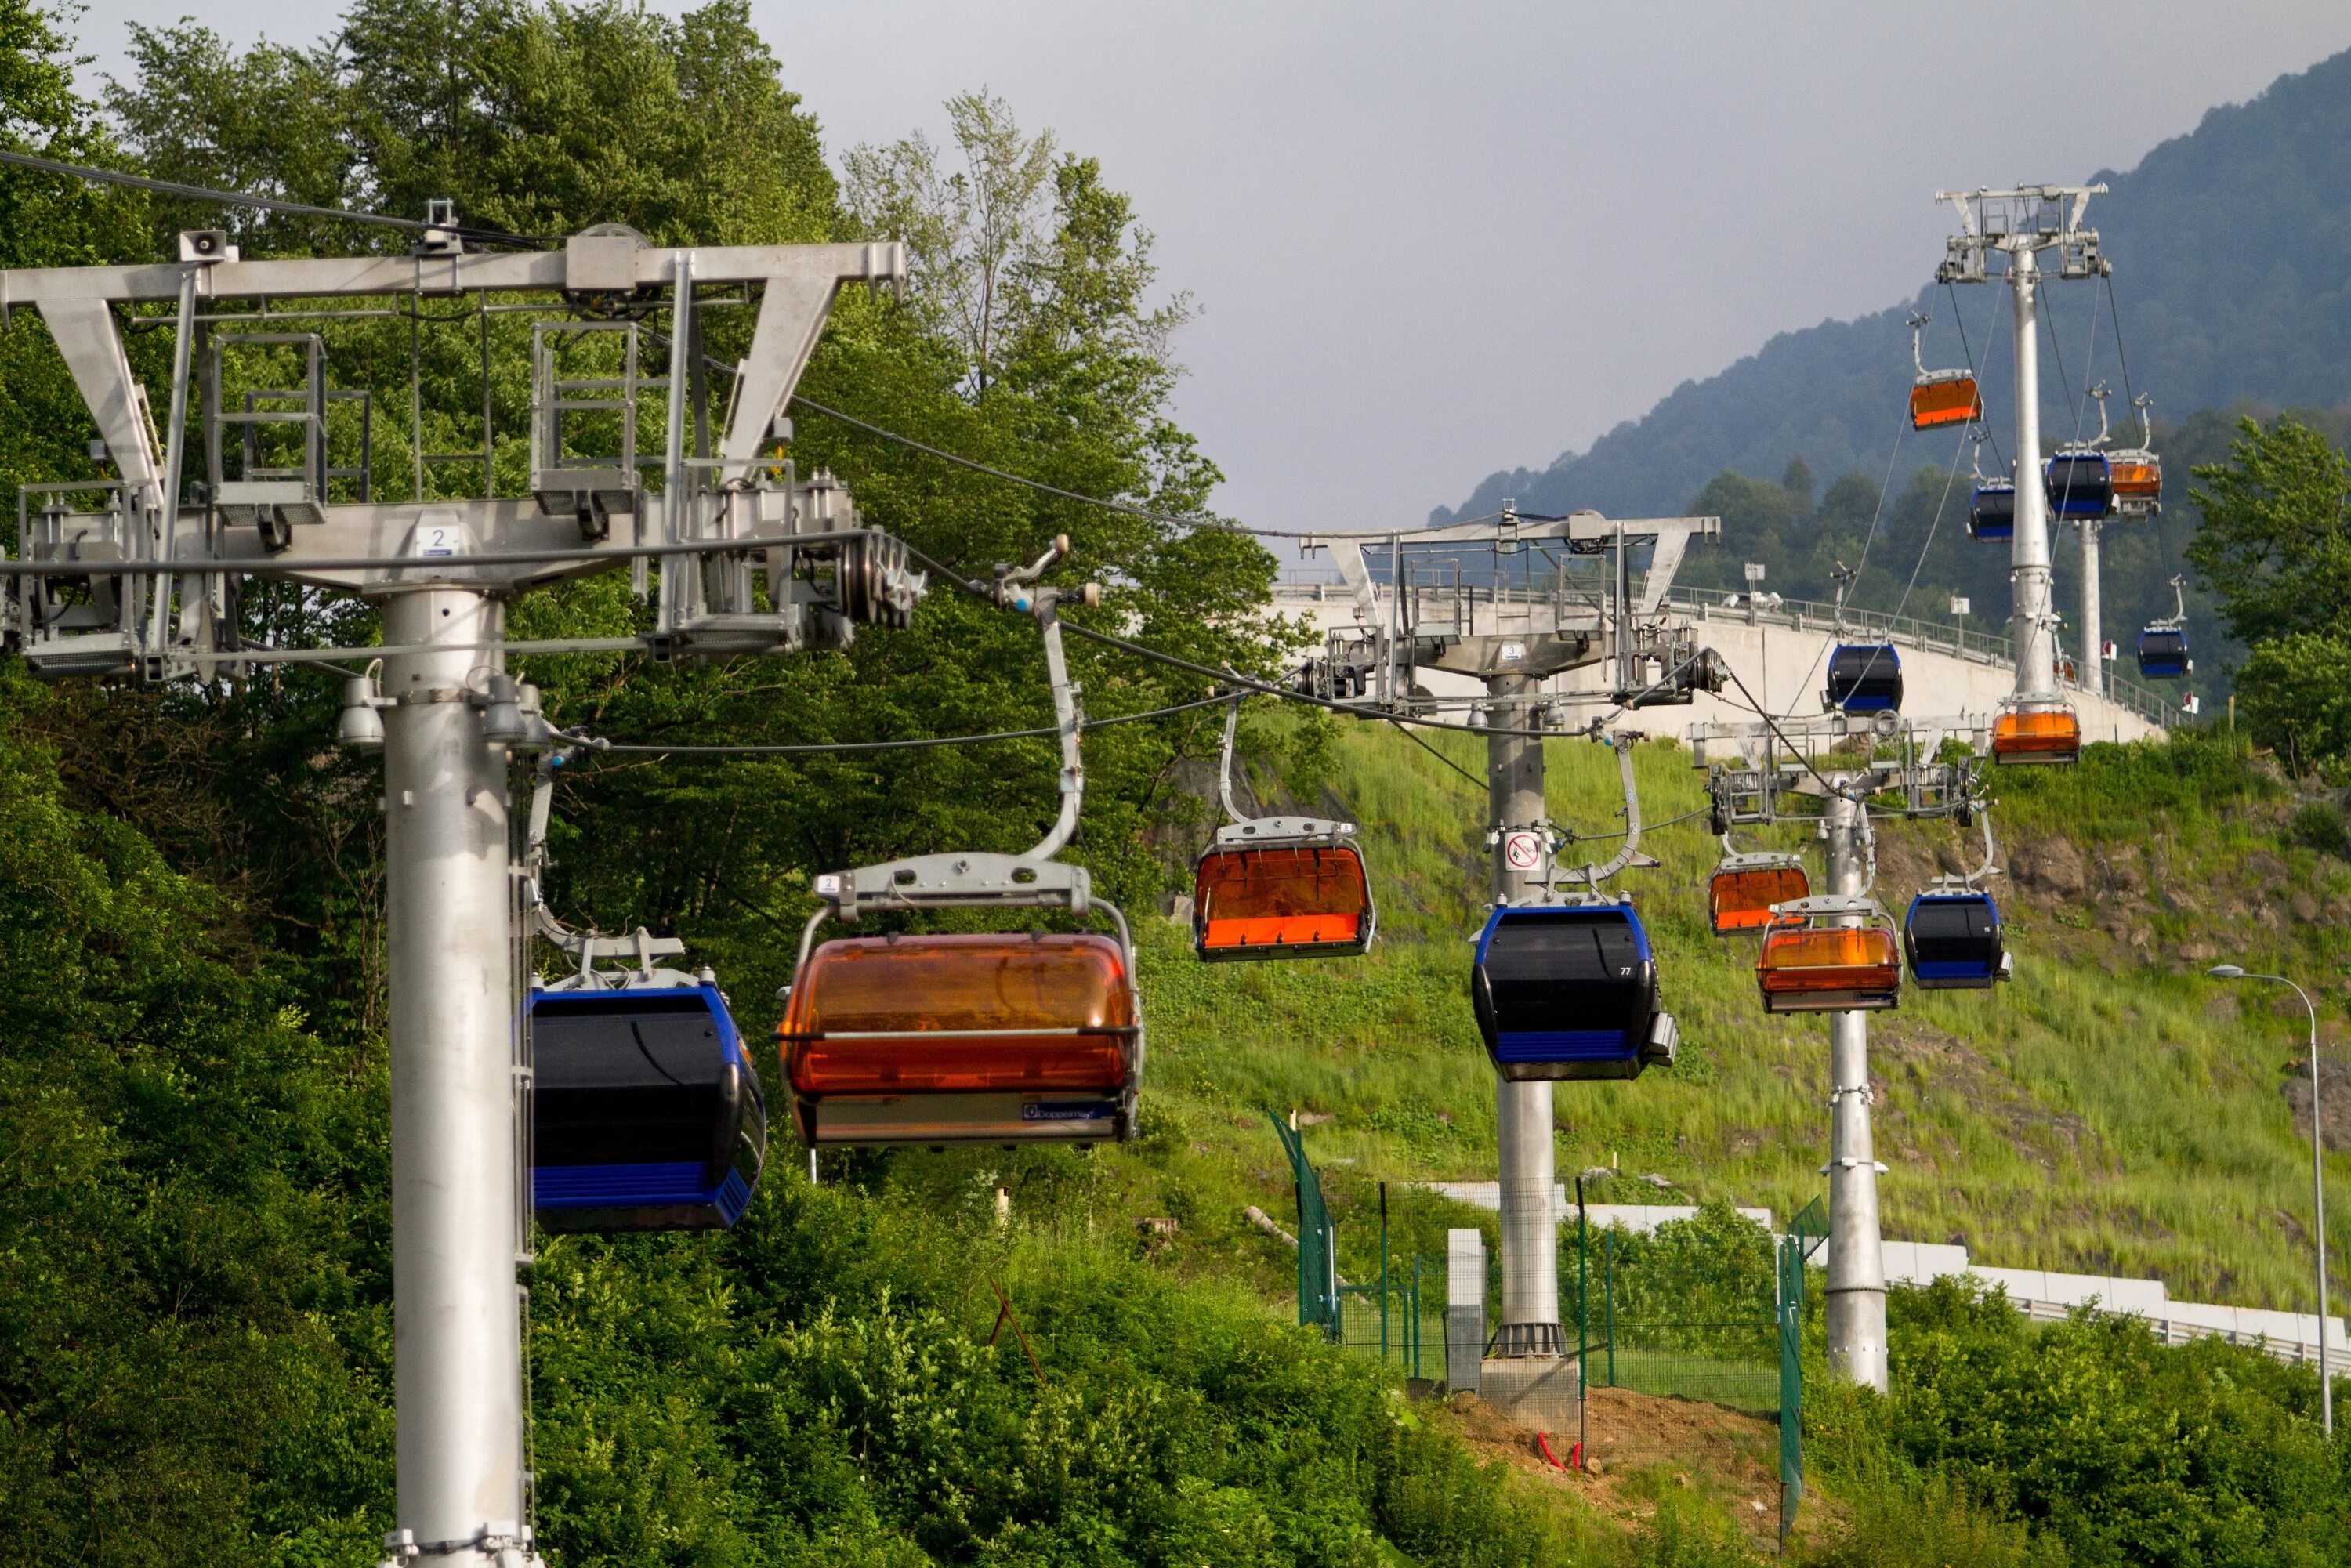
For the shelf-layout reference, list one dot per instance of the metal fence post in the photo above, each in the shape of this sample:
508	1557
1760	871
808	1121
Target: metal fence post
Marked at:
1583	1293
1384	1273
1415	1315
1318	1242
1805	1232
1608	1284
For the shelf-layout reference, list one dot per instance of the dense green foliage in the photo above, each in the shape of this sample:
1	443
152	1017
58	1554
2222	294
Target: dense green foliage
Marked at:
2228	282
2112	1448
194	1294
2273	546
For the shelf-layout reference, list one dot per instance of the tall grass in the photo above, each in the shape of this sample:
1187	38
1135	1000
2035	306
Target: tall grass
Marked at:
2099	1114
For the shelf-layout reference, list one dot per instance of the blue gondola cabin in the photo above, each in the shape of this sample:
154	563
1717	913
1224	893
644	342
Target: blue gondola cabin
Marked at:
1993	514
1569	992
1865	678
645	1112
1953	940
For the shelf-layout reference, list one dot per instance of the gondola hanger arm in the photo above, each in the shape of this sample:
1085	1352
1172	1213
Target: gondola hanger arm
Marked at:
1629	853
1018	589
1240	829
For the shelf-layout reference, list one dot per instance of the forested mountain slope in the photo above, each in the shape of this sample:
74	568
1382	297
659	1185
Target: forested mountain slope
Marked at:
2231	248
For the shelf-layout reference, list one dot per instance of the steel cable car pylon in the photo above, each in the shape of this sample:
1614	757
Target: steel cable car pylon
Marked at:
1842	959
158	571
646	1111
2036	724
1531	955
1001	1038
1278	887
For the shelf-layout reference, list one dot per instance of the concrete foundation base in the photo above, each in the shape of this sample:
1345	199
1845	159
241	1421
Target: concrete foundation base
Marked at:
1538	1393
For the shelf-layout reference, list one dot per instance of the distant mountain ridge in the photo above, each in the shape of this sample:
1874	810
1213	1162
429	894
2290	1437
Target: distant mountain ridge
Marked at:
2232	247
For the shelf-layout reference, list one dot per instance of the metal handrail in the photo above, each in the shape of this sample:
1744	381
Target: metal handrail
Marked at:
1803	615
1942	637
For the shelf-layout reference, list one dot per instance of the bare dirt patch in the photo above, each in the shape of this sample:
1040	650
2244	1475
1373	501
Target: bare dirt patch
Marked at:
1640	1445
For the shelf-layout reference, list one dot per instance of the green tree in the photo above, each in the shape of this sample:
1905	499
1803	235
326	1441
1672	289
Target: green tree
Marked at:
535	120
974	234
48	220
2273	545
2295	693
1797	480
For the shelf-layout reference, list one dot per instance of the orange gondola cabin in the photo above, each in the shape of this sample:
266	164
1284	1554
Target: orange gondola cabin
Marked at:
1745	887
1279	897
962	1039
2036	735
1942	398
1830	968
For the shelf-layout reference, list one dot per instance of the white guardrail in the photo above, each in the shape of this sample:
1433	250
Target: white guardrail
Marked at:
1436	605
2043	1295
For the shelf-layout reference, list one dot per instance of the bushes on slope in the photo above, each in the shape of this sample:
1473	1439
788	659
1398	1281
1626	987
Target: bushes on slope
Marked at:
2109	1446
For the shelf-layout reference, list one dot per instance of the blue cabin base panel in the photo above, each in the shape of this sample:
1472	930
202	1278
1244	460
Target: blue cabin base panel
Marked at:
1562	1056
665	1197
1953	977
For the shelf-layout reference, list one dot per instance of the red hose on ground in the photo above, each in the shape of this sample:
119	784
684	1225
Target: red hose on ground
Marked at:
1542	1441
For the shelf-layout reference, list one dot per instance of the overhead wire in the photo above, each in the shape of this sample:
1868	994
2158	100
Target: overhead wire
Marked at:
1144	650
2114	314
1125	508
908	744
189	192
1991	342
1781	735
267	204
1456	768
1891	459
1950	477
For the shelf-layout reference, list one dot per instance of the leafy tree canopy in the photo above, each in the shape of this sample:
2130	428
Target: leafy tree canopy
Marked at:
2273	546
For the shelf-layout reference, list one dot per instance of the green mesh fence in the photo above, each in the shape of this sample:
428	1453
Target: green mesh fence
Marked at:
1386	1318
1380	1316
1318	1270
1691	1310
1806	1233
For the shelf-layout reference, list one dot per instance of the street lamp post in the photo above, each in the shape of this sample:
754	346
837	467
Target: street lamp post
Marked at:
2317	1182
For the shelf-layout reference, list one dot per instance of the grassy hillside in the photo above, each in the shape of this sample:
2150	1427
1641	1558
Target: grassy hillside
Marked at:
2110	1111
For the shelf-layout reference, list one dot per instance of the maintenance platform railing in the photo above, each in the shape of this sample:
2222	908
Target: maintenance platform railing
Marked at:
1442	603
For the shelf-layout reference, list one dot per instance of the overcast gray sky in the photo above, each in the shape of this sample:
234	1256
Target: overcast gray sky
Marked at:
1429	242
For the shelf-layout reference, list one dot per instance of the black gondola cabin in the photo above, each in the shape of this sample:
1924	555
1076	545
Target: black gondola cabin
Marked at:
645	1114
2081	484
1953	940
2163	653
1866	678
1569	992
1993	514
